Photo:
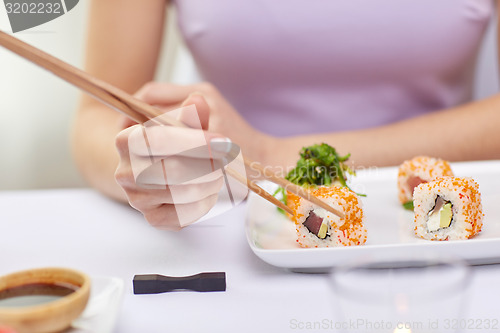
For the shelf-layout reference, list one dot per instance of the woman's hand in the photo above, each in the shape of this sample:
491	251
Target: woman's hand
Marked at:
224	119
167	172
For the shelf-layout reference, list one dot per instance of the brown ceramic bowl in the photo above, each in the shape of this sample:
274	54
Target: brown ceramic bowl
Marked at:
72	286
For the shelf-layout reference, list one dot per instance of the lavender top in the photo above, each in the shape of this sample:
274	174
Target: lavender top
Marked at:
302	66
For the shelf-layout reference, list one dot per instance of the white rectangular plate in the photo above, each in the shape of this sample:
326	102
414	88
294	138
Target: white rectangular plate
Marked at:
272	237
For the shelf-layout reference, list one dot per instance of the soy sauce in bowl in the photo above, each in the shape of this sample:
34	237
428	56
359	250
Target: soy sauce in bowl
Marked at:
34	294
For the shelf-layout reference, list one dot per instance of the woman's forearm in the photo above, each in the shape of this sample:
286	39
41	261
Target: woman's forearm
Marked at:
467	132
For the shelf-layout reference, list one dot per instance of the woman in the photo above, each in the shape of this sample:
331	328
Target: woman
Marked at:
384	80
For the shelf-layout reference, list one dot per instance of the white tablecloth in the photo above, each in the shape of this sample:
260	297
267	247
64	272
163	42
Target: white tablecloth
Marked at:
82	229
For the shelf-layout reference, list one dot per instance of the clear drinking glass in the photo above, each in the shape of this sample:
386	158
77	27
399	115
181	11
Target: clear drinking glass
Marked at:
421	294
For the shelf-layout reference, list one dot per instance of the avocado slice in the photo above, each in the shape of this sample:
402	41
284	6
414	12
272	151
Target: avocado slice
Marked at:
322	231
445	216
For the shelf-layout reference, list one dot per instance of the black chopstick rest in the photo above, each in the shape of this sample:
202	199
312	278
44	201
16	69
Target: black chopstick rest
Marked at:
155	283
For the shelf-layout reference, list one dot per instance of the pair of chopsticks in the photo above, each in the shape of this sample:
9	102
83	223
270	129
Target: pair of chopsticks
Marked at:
141	112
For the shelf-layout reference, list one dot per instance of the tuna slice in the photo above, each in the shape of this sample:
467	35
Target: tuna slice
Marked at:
313	223
414	182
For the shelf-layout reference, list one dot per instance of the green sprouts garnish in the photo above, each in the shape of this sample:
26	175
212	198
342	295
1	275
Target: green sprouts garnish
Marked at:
319	165
283	197
408	205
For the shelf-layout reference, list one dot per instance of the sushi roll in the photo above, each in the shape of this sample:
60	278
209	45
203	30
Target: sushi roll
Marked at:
448	208
317	227
419	170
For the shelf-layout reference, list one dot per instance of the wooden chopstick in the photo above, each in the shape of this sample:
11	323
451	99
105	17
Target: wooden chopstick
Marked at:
257	189
142	112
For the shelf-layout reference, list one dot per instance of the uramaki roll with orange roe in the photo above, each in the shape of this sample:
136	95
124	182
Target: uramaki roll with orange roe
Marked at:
448	208
317	227
420	169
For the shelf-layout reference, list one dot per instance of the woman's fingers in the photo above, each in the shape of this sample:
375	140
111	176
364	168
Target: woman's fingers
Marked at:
194	112
143	199
174	171
175	217
163	141
163	93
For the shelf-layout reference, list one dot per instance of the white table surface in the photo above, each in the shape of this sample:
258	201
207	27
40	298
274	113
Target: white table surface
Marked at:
82	229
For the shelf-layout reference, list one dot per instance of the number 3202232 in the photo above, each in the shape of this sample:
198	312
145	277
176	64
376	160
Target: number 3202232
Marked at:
34	8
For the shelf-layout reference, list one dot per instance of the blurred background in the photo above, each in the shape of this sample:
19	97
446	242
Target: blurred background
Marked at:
37	109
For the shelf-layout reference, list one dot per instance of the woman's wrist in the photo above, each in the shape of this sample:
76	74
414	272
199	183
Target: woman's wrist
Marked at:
266	150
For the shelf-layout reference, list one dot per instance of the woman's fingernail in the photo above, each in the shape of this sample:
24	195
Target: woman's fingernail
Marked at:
221	145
